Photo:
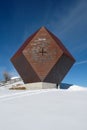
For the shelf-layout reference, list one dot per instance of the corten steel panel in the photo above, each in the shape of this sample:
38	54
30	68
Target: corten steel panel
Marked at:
25	69
42	53
60	44
42	58
23	46
59	70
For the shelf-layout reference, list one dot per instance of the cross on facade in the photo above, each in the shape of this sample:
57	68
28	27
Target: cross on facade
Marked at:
43	51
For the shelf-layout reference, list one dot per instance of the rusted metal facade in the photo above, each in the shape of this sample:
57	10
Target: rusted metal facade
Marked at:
42	58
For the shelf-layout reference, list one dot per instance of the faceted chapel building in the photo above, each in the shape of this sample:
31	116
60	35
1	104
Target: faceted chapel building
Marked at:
42	58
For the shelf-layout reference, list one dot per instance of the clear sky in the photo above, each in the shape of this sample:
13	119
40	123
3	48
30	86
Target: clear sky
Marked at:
67	19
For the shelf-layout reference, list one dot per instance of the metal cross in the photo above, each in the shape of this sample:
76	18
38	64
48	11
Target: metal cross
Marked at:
43	51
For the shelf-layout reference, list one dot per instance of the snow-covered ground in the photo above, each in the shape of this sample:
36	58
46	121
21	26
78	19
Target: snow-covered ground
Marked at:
47	109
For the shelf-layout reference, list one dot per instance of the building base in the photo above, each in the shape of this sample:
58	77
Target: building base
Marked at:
41	85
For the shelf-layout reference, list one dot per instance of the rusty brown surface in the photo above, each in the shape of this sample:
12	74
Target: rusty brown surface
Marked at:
42	58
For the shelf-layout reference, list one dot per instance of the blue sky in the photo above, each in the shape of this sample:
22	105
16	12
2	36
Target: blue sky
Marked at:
67	19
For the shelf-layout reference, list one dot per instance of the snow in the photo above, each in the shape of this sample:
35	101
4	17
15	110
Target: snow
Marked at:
77	88
45	109
41	39
15	77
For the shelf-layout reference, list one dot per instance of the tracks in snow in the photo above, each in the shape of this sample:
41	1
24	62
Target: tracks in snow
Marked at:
22	94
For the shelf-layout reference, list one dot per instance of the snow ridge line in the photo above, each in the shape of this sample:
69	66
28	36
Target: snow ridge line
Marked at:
22	94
